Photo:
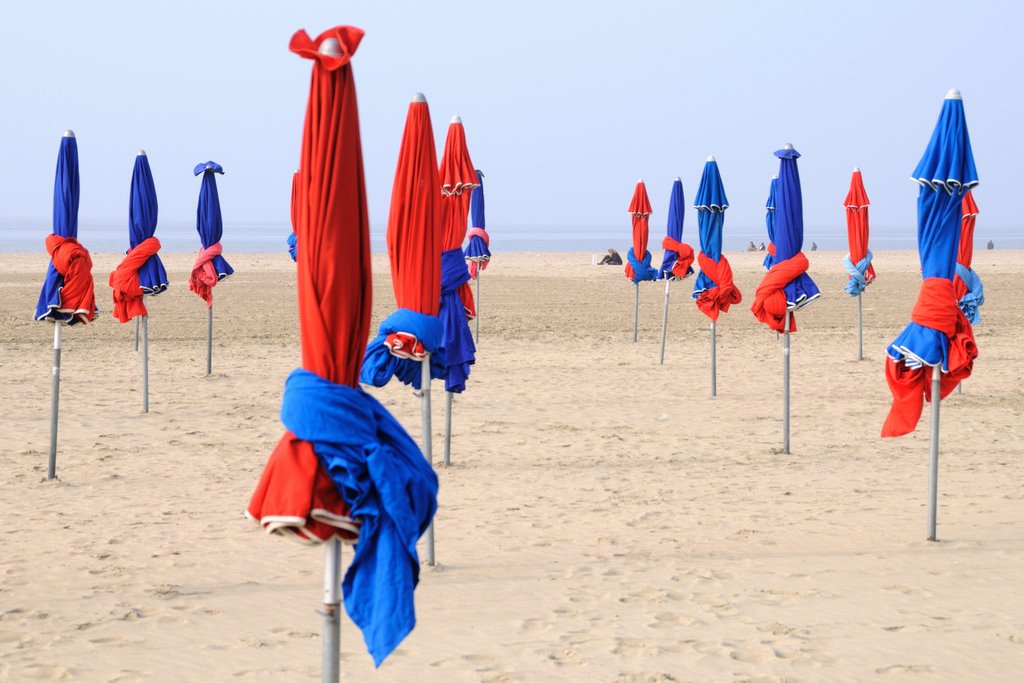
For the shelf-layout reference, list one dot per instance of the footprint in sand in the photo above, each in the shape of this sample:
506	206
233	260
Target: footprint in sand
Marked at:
904	668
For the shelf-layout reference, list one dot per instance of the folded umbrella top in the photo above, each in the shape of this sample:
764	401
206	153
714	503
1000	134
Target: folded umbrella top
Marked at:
142	219
292	240
858	261
210	266
638	259
713	289
678	257
769	221
478	251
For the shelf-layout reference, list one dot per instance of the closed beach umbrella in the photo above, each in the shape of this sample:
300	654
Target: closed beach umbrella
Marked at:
769	221
292	240
970	293
638	260
210	266
409	342
67	296
387	490
713	289
140	273
478	250
939	336
677	262
858	259
786	286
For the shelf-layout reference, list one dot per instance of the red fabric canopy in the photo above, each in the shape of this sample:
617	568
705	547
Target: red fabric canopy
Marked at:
295	495
640	210
73	262
458	178
856	204
965	253
128	296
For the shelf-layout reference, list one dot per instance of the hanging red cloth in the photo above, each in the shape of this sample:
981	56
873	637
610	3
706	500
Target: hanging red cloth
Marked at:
128	298
204	276
717	300
73	262
681	268
770	298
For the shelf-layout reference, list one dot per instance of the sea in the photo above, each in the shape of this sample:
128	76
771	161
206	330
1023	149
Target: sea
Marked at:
99	236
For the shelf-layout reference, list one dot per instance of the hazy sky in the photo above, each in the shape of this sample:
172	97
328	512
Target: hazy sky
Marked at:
565	104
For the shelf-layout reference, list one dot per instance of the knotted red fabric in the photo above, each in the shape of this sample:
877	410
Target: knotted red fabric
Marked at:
770	298
935	308
73	262
717	300
124	280
204	276
681	268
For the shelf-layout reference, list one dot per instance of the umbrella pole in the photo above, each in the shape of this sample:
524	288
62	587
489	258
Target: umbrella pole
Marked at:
476	323
136	334
55	400
448	428
332	612
145	363
209	339
427	448
636	310
860	327
960	388
664	320
933	472
785	386
714	361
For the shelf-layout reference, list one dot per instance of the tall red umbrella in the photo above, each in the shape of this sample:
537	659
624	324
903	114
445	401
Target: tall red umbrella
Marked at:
375	484
638	259
858	260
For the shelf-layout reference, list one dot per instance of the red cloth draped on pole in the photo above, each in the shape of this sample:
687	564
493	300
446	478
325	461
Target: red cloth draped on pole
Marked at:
295	496
475	265
640	210
681	268
770	298
965	252
458	178
717	300
128	301
935	308
856	204
73	262
204	275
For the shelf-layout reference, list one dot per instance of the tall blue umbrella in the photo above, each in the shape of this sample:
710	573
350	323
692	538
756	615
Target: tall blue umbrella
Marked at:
675	264
939	335
769	221
789	227
210	267
478	250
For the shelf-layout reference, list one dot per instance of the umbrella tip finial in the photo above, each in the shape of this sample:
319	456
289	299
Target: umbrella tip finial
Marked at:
678	179
330	47
69	133
856	169
640	181
419	97
775	176
711	157
953	94
456	119
788	145
141	153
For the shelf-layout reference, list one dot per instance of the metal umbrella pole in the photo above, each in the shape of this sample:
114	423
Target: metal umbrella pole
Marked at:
636	310
209	339
714	361
427	448
55	400
145	363
933	471
330	670
448	396
136	334
664	320
785	385
476	322
860	327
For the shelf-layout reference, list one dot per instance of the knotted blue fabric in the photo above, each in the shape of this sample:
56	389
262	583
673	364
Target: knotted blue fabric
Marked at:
459	349
641	269
390	489
380	365
975	296
858	281
292	245
142	217
209	222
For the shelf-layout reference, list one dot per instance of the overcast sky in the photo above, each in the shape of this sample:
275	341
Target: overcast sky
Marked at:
565	104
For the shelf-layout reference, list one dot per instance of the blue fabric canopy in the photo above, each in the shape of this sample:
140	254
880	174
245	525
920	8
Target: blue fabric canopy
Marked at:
459	349
674	228
65	224
711	204
945	171
142	216
769	221
389	487
975	297
209	223
789	227
476	249
380	365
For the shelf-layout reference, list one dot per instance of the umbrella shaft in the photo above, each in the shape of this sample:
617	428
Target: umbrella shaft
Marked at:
476	323
860	328
209	339
332	612
55	400
664	321
714	361
448	395
427	446
136	333
636	309
145	363
933	470
785	385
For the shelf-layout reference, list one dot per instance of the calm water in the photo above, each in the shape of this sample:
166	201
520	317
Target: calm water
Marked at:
24	236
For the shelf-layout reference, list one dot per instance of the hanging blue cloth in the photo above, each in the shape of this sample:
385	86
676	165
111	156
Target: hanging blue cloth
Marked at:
858	281
476	248
769	221
711	204
945	172
142	217
459	349
292	245
975	297
65	224
390	489
674	229
380	365
209	223
789	227
641	269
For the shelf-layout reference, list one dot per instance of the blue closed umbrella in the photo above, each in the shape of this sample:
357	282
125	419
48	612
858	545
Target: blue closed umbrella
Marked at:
142	217
789	227
478	250
711	204
674	229
209	222
769	221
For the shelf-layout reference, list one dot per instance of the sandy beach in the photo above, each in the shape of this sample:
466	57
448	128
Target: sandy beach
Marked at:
603	519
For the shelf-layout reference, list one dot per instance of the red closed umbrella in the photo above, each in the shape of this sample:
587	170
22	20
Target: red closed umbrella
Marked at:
858	260
638	259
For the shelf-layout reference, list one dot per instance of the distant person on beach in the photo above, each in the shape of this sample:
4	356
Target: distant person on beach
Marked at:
990	245
760	247
814	246
751	247
612	258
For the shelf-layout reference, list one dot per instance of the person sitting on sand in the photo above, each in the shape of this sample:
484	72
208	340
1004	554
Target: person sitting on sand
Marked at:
751	247
814	246
760	247
990	245
612	258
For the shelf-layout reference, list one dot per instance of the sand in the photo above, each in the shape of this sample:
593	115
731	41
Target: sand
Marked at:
603	519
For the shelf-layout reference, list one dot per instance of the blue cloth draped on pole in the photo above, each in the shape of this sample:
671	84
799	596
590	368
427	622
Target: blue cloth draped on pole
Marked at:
389	487
858	281
142	217
944	173
975	296
711	204
65	224
380	365
769	221
476	248
674	229
641	269
459	349
209	222
292	242
789	227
